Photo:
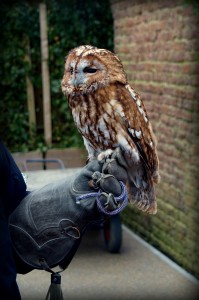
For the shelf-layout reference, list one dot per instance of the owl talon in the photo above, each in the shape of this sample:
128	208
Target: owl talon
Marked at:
104	155
156	177
96	179
145	206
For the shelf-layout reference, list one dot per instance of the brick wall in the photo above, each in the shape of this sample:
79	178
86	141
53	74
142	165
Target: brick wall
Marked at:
159	46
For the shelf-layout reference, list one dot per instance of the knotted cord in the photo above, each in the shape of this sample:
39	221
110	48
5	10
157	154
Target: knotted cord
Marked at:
122	200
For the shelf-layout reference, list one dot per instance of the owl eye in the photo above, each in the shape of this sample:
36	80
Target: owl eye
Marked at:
71	70
89	70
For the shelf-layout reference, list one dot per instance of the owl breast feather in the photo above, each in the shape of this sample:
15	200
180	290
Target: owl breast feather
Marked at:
105	129
97	133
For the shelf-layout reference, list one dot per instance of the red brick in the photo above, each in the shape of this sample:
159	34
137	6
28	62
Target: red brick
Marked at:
158	43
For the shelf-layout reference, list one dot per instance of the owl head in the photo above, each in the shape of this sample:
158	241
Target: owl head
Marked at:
88	68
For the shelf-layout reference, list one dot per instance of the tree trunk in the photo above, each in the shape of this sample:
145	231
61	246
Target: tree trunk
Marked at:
30	90
45	75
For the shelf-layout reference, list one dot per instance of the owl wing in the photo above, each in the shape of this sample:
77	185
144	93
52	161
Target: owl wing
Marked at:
140	131
144	172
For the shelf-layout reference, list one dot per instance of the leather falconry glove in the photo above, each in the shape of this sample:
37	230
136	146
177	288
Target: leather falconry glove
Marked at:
47	226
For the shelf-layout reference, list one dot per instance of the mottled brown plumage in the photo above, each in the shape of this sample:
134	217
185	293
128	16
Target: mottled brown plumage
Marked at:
110	114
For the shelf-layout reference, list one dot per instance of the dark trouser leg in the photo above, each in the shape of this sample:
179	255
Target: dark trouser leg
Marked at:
8	286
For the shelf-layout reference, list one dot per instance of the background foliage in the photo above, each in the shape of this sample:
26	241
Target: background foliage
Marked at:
70	23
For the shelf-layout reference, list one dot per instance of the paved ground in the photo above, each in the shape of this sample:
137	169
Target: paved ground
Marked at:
136	273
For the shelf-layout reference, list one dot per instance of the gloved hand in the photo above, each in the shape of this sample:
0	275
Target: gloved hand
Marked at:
114	165
47	226
111	180
108	175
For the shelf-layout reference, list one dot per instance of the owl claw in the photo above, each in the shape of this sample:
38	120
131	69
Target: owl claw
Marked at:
145	206
104	155
156	177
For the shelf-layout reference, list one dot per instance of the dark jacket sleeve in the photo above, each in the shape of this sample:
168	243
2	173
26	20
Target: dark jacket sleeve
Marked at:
12	185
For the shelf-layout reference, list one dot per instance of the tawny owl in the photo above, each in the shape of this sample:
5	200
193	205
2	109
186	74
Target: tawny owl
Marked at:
110	114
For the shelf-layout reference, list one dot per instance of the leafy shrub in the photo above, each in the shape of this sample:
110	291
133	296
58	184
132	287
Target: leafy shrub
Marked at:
70	23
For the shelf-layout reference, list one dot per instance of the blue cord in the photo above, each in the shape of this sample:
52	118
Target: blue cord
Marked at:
123	198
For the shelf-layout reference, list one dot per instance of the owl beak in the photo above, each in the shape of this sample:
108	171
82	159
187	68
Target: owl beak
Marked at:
76	83
76	80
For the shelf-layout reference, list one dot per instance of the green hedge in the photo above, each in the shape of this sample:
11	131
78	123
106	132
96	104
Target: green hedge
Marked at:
70	23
